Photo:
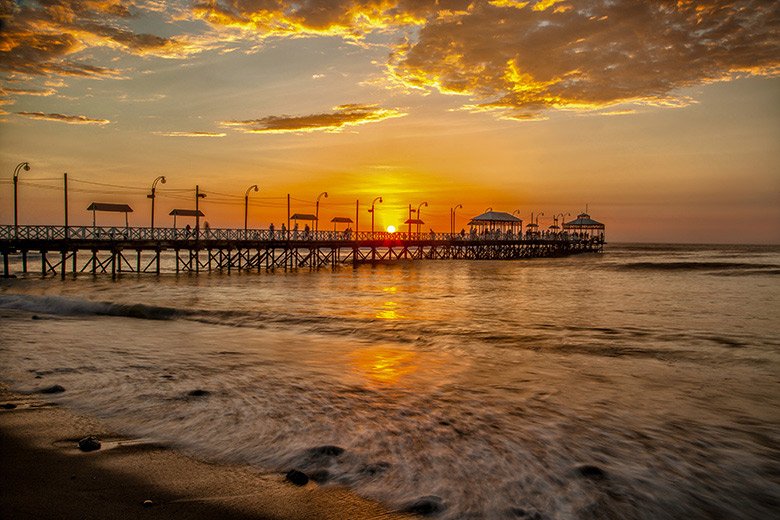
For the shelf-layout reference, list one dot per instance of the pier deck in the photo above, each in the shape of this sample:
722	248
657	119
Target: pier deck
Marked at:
116	249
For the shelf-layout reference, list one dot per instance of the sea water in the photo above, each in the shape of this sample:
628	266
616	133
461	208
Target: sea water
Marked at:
640	383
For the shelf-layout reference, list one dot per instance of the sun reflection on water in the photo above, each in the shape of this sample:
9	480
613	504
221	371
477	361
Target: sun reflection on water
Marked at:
386	365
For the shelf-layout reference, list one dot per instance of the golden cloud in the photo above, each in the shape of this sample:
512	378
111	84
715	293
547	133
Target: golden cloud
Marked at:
39	39
518	58
190	134
73	120
342	116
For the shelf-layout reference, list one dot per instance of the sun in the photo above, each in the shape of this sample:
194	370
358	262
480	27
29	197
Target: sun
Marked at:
391	229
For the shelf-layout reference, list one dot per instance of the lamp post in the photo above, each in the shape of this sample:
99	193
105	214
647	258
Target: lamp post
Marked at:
152	196
452	218
317	211
19	167
246	205
418	216
198	196
372	214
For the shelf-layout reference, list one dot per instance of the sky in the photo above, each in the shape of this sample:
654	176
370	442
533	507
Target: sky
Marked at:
661	117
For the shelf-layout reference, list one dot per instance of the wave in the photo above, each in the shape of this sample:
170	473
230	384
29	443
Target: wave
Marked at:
698	266
72	307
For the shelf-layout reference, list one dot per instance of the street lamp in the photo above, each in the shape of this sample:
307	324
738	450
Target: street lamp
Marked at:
246	204
198	196
161	179
317	211
372	214
452	218
537	217
418	215
19	167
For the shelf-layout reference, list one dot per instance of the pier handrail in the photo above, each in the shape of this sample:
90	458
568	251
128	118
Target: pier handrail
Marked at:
102	233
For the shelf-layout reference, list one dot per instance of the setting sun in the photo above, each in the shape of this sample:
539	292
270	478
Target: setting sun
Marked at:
391	229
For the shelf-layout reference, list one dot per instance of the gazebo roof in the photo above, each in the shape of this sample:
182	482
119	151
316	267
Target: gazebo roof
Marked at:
343	220
303	216
583	221
104	206
187	213
414	221
494	216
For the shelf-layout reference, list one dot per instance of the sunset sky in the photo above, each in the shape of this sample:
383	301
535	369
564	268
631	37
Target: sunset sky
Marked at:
662	116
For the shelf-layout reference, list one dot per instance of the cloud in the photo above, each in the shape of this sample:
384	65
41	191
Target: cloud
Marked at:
73	120
519	58
190	134
342	116
43	38
25	91
578	55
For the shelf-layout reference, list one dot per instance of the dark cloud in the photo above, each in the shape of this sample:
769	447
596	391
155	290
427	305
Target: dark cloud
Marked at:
342	116
74	120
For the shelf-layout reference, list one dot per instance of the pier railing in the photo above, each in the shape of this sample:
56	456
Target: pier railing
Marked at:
93	233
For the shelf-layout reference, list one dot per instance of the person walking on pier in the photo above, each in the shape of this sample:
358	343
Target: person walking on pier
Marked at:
271	230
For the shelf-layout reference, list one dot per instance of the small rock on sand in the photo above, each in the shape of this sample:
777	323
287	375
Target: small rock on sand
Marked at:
54	389
89	444
426	505
147	503
198	393
8	406
591	472
299	478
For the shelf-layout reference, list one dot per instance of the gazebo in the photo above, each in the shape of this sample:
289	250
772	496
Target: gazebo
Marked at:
185	213
113	208
340	220
495	221
585	226
414	222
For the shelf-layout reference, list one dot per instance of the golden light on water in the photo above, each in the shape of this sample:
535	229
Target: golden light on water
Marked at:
386	365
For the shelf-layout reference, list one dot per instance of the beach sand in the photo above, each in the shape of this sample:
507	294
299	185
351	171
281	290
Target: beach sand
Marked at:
44	475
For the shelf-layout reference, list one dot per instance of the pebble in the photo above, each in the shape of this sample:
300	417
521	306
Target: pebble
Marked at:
89	444
54	389
198	393
148	503
426	505
299	478
9	406
591	472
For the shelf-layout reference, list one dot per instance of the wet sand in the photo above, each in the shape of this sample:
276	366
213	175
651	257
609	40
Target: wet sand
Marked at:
44	475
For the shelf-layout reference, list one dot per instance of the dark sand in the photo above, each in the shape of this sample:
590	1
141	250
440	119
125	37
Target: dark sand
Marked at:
44	475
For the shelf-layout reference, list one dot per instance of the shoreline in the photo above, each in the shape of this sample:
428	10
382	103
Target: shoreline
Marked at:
45	475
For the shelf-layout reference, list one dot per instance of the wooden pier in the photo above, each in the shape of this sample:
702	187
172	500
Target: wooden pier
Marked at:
60	250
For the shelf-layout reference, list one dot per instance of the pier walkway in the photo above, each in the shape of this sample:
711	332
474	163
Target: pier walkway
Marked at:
115	250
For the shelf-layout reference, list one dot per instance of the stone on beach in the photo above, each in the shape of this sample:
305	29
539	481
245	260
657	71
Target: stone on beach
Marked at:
198	393
89	444
299	478
54	389
590	471
147	503
9	406
426	505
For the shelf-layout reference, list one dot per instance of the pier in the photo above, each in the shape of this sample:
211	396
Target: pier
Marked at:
59	250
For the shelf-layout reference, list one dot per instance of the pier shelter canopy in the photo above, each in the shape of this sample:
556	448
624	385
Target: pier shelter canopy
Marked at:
304	216
112	208
340	220
496	221
185	213
585	226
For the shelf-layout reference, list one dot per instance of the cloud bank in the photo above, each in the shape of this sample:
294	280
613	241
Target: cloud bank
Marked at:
73	120
341	117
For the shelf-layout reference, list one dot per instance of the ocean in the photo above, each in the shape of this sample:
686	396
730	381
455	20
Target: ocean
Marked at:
641	383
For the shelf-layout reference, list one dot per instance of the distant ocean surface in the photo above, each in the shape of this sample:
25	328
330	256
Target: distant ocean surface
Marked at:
641	383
